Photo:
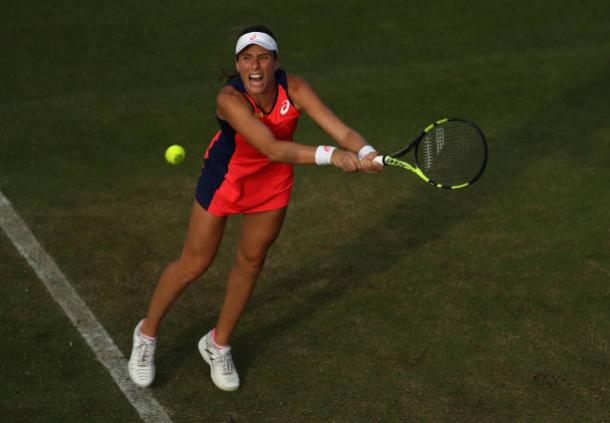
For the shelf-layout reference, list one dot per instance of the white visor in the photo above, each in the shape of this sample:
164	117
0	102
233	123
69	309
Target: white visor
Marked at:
258	38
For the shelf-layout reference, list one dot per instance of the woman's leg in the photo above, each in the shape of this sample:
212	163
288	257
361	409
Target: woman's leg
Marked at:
203	238
259	231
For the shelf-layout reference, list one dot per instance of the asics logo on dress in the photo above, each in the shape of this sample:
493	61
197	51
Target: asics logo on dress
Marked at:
285	107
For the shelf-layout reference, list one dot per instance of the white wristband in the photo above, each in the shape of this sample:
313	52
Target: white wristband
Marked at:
364	151
323	154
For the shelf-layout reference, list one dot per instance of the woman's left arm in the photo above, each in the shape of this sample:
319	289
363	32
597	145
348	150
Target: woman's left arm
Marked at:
306	99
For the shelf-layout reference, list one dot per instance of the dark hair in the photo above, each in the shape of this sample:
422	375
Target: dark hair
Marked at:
251	28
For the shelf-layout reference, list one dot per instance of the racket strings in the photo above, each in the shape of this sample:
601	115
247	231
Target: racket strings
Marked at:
452	153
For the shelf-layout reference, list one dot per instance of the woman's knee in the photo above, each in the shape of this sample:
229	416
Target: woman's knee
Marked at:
189	269
250	261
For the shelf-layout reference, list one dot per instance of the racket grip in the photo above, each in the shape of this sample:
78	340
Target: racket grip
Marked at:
380	160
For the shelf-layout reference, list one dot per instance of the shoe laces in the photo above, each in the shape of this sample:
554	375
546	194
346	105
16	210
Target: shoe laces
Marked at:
223	362
146	352
227	364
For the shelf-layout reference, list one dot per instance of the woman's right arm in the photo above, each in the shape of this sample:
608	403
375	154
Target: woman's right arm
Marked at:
233	108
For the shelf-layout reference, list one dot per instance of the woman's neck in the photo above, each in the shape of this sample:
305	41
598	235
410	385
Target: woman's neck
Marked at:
266	100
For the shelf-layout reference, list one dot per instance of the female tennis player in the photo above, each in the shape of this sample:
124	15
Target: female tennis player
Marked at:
247	170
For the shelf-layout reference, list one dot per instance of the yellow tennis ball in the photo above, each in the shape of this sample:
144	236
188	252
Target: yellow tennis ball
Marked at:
175	154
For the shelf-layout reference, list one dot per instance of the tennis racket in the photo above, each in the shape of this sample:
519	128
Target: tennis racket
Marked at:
450	154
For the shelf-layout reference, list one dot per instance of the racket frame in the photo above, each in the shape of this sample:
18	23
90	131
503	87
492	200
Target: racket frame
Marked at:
392	159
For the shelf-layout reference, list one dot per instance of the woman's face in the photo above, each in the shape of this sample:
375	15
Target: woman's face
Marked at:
256	67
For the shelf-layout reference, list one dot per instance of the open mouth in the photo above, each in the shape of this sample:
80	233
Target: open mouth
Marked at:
256	80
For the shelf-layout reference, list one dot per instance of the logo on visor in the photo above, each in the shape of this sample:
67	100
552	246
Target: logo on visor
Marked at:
285	107
253	37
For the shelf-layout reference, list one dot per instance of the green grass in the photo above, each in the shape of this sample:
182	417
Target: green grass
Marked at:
383	299
43	376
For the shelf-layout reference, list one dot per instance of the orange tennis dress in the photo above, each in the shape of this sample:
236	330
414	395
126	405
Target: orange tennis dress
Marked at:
235	177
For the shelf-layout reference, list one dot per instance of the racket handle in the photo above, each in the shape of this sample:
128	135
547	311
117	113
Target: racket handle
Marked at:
380	160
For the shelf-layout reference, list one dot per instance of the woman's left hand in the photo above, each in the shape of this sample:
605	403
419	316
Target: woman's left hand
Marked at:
368	165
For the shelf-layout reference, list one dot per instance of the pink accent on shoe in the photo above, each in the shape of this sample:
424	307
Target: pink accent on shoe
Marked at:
143	336
216	345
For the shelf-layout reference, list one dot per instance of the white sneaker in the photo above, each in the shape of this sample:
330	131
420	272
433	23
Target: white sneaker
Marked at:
222	370
141	362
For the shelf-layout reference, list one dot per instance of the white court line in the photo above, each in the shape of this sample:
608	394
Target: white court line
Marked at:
79	314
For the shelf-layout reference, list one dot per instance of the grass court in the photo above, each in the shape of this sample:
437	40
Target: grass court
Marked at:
383	299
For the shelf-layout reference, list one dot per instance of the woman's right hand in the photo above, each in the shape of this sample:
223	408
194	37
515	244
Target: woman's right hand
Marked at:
346	161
